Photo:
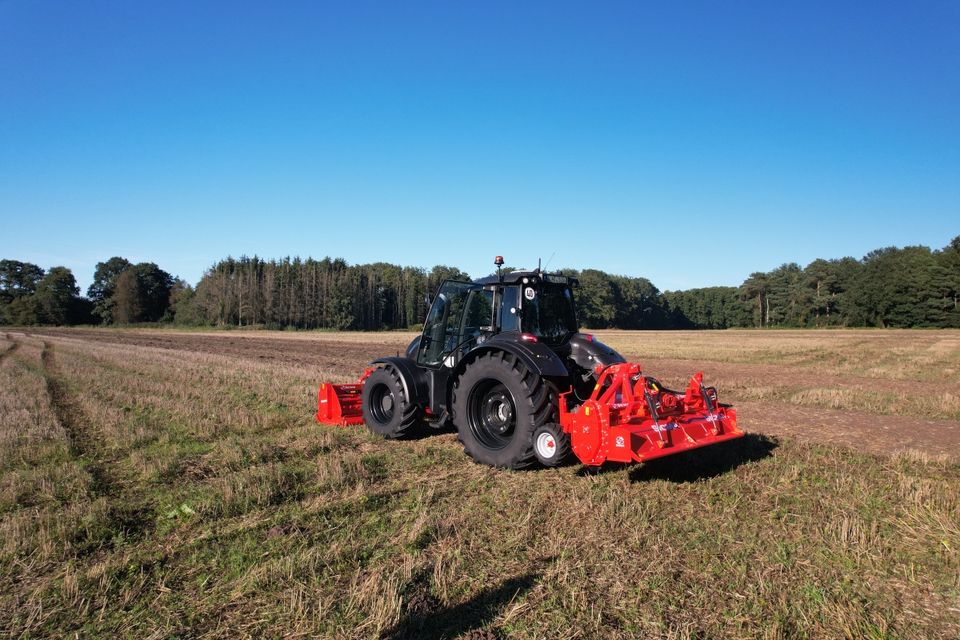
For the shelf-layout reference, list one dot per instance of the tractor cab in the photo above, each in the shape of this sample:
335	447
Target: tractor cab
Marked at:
538	306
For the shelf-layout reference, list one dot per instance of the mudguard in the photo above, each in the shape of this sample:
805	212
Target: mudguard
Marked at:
413	348
588	352
536	356
414	379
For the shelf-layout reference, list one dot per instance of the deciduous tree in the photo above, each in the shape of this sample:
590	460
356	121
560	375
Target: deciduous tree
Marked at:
55	296
100	292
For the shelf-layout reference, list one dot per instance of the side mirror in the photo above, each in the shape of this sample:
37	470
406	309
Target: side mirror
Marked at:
428	300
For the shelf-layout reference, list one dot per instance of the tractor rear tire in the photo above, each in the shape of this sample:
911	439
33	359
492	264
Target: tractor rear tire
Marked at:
386	409
498	403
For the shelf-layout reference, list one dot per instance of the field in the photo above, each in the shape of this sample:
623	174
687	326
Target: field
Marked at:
160	484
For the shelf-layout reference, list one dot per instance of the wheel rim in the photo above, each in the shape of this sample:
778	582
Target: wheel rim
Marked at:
382	403
492	414
546	446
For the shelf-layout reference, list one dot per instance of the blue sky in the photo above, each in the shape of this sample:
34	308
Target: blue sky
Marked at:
690	144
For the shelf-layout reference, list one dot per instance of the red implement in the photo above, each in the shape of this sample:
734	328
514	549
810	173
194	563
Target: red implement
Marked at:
341	403
631	417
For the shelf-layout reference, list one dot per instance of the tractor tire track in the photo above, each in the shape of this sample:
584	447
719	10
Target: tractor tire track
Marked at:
129	515
9	350
77	425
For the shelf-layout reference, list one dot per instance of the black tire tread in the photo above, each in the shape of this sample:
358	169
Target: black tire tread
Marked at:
541	398
564	447
411	414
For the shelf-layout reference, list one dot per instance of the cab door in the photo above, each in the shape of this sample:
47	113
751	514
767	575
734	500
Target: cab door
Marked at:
442	332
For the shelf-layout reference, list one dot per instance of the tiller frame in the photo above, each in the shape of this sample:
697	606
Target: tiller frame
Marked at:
631	417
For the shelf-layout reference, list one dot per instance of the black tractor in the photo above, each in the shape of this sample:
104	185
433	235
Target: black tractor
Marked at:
492	360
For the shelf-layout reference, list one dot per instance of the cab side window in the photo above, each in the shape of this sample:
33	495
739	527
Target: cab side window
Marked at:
510	309
442	329
478	314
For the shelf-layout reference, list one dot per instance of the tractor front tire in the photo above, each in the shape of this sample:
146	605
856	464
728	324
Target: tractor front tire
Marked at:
386	409
498	403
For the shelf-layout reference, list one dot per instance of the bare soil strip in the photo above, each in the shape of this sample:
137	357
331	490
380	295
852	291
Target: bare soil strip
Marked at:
83	442
354	350
859	431
780	375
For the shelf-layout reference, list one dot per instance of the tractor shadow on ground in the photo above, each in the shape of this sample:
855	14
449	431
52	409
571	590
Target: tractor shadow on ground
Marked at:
707	462
423	432
699	464
424	618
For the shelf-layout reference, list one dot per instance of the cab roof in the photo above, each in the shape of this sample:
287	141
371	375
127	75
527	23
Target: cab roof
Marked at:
516	277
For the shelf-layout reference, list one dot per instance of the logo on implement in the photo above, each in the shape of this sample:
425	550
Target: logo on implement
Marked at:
664	427
619	442
529	293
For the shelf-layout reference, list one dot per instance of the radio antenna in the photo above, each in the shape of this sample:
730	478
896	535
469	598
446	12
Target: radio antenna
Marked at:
550	259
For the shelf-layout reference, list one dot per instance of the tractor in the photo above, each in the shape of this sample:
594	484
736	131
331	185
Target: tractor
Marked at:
503	361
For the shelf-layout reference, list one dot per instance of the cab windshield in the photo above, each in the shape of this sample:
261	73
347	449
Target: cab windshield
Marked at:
548	313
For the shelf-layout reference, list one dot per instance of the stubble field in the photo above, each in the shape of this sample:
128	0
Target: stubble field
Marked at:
164	484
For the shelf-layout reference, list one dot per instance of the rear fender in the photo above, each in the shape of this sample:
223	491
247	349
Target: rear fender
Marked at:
413	348
537	357
588	352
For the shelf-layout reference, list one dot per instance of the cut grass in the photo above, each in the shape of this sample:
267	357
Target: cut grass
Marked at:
232	514
888	354
913	374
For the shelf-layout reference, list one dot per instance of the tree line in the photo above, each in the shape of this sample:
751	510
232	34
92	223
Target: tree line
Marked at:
891	287
121	293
